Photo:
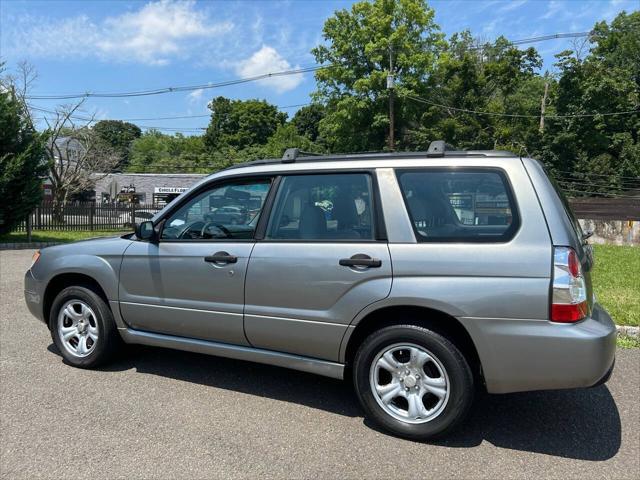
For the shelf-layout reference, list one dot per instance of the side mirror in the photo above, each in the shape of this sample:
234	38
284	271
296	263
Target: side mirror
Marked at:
145	231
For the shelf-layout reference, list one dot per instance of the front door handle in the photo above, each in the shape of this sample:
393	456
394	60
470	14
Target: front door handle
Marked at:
221	257
360	260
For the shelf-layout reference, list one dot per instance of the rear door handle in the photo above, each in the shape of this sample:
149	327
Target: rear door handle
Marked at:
221	257
360	260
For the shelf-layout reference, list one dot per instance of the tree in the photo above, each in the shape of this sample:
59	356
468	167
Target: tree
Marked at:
21	160
160	153
286	136
307	120
76	157
360	46
599	150
239	124
117	136
497	78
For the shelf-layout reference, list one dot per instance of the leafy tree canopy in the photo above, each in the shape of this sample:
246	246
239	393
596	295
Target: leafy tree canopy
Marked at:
361	44
241	123
22	163
117	135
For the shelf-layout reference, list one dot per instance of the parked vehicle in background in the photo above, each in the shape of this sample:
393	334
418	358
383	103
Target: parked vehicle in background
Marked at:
421	276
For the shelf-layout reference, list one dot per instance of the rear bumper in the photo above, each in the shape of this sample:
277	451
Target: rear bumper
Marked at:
34	295
523	355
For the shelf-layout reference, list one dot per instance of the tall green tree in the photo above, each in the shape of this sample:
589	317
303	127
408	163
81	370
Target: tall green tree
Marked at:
360	46
155	152
601	150
307	120
22	165
118	136
496	78
287	136
240	124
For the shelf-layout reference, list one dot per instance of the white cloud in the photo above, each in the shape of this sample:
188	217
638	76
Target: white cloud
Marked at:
268	60
554	8
153	35
512	5
195	96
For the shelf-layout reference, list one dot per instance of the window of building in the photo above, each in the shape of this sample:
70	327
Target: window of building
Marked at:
460	206
323	207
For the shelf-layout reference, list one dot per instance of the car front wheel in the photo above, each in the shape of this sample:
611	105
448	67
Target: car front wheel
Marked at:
413	381
82	327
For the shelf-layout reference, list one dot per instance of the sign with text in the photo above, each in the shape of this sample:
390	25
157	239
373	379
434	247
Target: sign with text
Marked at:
170	189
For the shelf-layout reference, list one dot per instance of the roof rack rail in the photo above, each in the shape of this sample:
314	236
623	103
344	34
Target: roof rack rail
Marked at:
290	155
437	148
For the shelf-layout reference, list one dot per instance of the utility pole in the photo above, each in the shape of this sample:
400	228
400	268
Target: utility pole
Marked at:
390	87
543	106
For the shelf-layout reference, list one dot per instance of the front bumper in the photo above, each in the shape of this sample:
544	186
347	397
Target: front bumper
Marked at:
524	355
34	295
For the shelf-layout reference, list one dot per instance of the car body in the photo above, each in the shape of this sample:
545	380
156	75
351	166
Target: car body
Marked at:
465	245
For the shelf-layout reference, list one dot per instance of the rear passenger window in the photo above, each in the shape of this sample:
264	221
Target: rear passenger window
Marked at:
323	207
460	205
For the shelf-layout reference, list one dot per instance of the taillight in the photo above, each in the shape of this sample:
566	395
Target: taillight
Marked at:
569	299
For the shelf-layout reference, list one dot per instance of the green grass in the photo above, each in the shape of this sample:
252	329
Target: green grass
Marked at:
57	236
628	342
616	282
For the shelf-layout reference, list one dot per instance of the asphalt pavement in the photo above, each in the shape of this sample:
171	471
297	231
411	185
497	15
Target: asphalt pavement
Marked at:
158	413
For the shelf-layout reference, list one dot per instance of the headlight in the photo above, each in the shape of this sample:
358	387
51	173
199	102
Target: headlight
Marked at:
34	258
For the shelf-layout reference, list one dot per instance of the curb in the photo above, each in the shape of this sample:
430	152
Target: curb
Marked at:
626	331
27	246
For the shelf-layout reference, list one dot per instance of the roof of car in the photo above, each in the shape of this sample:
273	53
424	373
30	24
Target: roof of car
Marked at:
437	149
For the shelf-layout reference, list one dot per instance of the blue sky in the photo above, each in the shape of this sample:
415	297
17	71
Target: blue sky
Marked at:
110	46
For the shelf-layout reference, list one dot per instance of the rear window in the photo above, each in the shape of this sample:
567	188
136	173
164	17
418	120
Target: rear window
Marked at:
567	207
459	205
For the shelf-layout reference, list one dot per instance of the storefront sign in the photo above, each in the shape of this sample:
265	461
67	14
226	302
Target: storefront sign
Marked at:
168	190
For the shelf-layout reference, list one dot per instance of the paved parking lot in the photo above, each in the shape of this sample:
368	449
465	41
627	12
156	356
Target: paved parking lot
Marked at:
164	414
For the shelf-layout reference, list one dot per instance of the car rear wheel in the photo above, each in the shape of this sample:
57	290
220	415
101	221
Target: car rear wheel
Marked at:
82	327
413	381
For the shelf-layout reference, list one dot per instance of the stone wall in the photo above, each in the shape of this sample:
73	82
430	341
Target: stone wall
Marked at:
617	232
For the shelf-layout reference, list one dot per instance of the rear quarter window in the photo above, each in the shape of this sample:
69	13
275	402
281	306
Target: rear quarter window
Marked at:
461	205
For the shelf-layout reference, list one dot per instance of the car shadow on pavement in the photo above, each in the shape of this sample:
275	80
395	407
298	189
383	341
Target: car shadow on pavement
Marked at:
580	424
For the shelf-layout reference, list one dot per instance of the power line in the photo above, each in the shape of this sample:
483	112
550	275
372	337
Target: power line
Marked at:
515	115
594	174
602	188
612	195
237	81
623	185
540	38
207	115
184	88
150	127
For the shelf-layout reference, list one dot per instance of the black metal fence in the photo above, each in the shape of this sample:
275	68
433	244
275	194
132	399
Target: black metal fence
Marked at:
97	216
88	216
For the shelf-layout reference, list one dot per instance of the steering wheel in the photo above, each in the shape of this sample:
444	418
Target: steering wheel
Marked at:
219	226
188	230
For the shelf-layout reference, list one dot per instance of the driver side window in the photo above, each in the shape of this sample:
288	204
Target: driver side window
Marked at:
228	211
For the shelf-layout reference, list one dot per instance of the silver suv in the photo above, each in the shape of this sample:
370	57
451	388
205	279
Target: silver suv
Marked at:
420	276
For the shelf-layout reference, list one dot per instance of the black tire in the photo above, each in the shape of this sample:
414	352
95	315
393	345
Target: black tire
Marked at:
460	381
109	340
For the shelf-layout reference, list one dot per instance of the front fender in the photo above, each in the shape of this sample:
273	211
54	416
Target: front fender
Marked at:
98	259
